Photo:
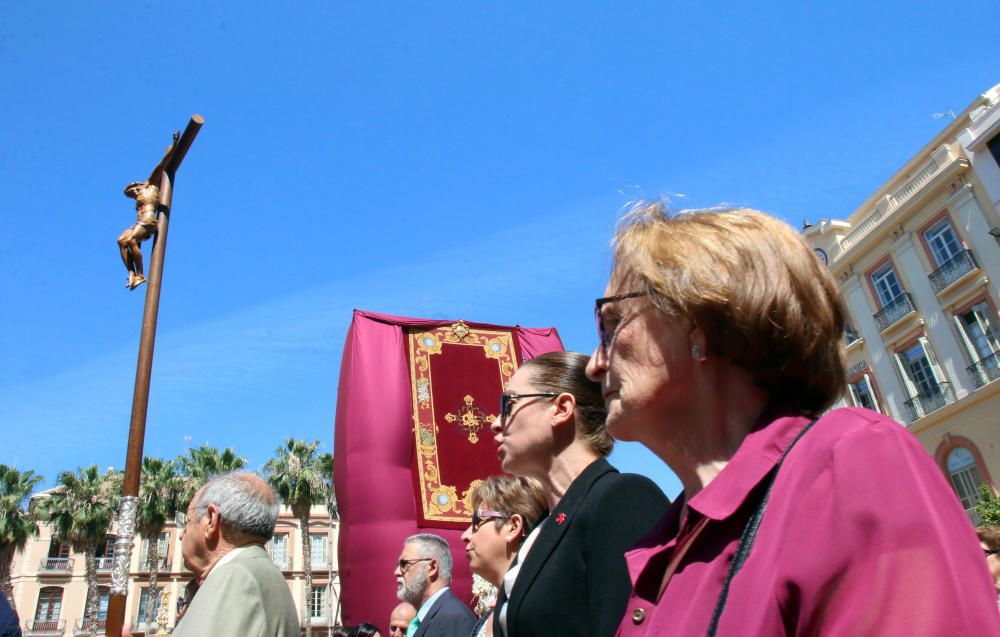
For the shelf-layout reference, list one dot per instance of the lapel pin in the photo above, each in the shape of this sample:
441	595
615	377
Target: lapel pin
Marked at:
560	518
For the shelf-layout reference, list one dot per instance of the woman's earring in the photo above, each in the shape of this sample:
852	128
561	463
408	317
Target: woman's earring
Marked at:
696	352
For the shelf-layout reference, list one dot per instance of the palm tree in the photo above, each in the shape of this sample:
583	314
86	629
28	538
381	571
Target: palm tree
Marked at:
297	475
202	463
158	503
80	510
16	523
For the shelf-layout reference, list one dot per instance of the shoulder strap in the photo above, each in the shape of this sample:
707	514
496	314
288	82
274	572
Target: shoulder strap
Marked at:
749	535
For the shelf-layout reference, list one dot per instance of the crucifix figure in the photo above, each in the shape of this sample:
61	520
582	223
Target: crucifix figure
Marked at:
147	201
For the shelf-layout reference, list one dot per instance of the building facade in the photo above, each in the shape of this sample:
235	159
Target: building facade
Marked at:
50	585
918	265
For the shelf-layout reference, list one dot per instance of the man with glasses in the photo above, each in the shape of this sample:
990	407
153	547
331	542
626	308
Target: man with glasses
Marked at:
241	592
400	618
423	574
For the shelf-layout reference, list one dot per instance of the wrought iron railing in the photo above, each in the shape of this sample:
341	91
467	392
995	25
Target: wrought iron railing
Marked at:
45	627
953	270
89	627
893	311
851	335
924	403
985	370
57	564
104	563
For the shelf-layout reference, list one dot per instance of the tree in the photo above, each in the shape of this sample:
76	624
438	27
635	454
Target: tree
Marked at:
80	510
988	506
159	493
297	475
202	463
17	524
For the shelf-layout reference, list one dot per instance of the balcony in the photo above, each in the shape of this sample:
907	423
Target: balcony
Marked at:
851	335
953	270
925	403
89	627
62	565
894	311
144	564
40	627
104	563
985	370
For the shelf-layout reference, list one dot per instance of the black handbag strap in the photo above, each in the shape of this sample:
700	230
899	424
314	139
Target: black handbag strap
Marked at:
749	535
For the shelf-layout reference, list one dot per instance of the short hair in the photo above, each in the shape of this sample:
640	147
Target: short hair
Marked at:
366	629
565	372
522	495
990	536
752	284
436	547
247	504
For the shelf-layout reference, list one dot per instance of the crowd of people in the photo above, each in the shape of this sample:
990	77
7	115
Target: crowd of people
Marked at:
720	348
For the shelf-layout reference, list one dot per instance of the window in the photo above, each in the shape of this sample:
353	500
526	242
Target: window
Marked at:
49	605
850	334
105	553
144	600
886	284
863	393
317	603
278	548
917	369
58	550
978	327
103	596
994	146
317	545
923	380
943	243
161	548
965	478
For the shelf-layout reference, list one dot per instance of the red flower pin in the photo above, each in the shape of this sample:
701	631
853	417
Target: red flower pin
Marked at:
560	518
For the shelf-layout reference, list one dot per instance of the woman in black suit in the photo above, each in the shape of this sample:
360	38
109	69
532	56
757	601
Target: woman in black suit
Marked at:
569	577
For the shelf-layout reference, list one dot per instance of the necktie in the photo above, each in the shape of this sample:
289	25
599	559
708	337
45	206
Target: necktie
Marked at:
411	630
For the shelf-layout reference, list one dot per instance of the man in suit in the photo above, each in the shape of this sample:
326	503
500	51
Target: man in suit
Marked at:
241	592
423	574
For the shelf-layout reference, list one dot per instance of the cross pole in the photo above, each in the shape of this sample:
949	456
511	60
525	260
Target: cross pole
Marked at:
140	397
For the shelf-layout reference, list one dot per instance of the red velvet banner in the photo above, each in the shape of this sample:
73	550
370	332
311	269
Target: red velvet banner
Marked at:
457	373
375	445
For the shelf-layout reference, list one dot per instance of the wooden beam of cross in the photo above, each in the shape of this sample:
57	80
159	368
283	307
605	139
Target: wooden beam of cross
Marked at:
162	182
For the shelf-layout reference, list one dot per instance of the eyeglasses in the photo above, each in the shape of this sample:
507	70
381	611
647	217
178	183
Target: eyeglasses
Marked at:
183	518
480	518
507	402
403	565
393	630
602	334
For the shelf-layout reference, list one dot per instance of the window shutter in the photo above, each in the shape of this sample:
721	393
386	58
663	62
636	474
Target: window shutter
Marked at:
911	389
969	347
932	359
871	390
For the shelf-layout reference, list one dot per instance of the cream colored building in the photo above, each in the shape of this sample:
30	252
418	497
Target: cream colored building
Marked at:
50	586
918	263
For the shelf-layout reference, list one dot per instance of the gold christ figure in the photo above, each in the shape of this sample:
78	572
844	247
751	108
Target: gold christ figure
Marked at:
147	201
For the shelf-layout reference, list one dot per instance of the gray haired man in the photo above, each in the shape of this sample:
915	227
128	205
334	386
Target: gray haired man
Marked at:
423	574
241	591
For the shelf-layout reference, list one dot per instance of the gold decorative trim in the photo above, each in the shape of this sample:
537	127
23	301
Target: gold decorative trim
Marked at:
439	501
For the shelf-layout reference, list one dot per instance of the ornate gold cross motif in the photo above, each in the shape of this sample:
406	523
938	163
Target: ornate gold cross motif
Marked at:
471	419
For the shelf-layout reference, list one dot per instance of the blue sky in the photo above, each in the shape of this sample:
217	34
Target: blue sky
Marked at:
452	160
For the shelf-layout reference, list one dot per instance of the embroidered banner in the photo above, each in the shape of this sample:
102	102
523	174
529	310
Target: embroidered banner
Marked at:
375	445
457	373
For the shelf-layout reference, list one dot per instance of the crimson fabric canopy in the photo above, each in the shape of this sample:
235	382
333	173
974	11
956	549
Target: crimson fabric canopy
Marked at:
414	404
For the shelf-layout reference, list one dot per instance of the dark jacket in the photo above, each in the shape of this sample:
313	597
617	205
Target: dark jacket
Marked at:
8	619
448	617
574	580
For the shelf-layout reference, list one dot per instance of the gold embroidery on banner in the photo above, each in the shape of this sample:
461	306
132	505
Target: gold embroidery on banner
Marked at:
440	501
472	419
460	330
